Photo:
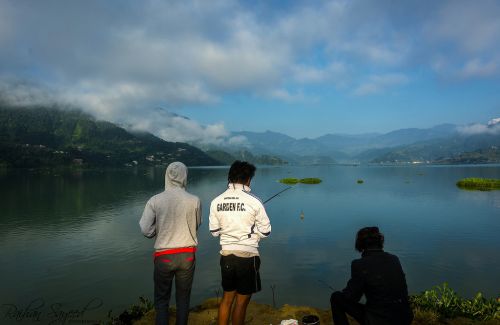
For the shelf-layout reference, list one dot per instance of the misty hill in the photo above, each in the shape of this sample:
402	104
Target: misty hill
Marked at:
454	149
338	146
48	136
481	156
437	143
306	151
355	144
228	158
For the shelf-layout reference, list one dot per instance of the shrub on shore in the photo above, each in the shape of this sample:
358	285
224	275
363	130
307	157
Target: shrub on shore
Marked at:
446	303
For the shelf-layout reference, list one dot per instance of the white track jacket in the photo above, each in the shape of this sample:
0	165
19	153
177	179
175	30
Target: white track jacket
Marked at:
239	218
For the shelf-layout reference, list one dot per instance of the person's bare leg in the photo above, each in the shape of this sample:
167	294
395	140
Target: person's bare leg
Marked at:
225	307
240	309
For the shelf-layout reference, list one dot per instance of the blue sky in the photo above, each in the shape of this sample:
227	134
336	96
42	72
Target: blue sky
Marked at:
304	68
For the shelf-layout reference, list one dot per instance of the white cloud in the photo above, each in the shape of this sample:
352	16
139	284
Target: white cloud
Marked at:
238	140
479	68
378	83
463	39
492	127
190	52
103	105
287	96
194	53
176	128
471	27
23	93
334	72
494	122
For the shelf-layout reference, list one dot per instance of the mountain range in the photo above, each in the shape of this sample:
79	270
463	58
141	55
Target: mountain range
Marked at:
445	142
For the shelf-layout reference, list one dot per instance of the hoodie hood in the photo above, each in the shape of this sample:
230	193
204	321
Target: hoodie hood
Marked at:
176	175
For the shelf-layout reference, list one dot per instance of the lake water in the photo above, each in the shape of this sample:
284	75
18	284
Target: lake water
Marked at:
67	238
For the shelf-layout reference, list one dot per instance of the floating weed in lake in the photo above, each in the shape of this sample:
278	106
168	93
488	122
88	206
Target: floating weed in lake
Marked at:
360	181
293	181
480	184
310	180
289	181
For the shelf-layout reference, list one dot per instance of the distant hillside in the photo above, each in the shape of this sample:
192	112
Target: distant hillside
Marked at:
228	158
440	143
445	150
482	156
297	151
48	136
338	147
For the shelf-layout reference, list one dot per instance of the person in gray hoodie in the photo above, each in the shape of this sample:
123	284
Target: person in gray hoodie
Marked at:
173	217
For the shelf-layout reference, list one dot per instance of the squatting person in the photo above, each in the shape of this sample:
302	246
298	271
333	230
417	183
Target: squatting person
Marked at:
173	216
240	219
379	276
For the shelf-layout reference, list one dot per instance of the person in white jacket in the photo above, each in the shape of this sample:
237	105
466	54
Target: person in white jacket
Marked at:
240	220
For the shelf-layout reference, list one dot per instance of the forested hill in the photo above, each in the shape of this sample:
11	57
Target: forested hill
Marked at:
46	136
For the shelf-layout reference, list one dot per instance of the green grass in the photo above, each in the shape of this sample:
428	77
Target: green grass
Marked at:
481	184
446	303
293	181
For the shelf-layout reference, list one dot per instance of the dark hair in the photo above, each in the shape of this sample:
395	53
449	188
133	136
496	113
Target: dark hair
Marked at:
369	237
240	172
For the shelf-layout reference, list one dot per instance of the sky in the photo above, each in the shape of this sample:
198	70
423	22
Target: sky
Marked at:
303	68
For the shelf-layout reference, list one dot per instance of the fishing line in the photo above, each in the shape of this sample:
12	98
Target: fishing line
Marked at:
275	195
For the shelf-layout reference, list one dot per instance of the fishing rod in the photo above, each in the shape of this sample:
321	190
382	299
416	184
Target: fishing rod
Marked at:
326	284
275	195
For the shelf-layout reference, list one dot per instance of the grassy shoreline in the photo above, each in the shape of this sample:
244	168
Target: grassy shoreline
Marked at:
439	305
258	314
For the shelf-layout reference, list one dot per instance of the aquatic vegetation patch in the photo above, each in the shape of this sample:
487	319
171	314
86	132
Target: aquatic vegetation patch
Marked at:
360	181
289	181
480	184
293	181
444	301
310	180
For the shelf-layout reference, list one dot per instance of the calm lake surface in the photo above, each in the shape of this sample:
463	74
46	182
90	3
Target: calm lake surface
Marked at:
67	238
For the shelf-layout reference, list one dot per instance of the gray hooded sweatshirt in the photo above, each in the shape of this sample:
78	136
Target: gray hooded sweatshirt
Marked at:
174	215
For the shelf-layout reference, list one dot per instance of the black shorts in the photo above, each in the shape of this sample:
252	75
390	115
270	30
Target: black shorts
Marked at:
240	274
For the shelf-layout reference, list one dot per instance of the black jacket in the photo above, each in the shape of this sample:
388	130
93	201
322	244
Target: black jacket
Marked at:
379	276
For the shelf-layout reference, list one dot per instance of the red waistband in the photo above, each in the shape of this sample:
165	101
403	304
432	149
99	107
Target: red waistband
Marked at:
175	251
